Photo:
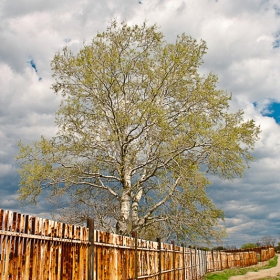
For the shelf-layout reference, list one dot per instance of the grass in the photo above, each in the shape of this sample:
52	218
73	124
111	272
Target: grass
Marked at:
226	274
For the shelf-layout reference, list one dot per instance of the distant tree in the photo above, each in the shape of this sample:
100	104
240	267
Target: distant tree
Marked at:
138	130
230	247
218	248
277	248
267	240
249	246
205	248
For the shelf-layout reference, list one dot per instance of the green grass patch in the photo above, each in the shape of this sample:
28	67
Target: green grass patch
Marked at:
272	262
226	274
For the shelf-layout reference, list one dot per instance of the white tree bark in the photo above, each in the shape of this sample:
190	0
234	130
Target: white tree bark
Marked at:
125	205
123	222
134	209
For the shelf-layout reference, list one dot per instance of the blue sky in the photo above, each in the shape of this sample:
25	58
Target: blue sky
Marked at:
273	111
243	39
269	108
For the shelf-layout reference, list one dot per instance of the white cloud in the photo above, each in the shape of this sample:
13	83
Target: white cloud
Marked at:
5	169
239	35
274	215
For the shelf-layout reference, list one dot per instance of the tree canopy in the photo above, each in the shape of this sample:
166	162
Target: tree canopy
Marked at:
139	129
249	245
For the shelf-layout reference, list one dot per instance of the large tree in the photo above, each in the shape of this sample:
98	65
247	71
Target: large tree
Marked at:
138	130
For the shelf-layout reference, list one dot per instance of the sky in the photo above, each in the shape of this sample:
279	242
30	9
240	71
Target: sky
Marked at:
243	39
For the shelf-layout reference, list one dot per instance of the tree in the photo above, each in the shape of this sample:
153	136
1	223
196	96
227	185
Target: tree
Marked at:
139	129
249	246
230	247
277	248
267	240
218	248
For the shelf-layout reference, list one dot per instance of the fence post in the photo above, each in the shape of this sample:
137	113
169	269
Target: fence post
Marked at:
221	264
227	260
184	261
213	263
159	258
199	262
191	272
195	261
206	261
173	257
135	236
203	260
90	225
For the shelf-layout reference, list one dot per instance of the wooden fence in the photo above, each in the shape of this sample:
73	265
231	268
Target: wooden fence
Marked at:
35	248
119	257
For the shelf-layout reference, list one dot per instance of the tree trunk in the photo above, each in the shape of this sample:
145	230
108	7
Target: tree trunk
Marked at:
123	222
122	226
134	209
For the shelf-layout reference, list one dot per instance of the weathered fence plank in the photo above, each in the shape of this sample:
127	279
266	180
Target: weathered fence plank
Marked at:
36	248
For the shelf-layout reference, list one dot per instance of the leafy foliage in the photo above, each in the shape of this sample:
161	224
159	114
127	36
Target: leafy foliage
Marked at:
138	130
249	246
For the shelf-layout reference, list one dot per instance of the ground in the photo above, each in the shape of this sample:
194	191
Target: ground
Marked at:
261	274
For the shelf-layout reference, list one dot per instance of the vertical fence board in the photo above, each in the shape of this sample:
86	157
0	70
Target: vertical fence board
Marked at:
35	248
33	256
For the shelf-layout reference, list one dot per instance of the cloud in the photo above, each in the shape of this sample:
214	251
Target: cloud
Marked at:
243	50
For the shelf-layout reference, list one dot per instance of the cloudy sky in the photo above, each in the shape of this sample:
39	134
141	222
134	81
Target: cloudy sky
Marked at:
243	38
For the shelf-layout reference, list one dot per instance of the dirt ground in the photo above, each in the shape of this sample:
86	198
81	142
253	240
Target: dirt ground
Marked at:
271	272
